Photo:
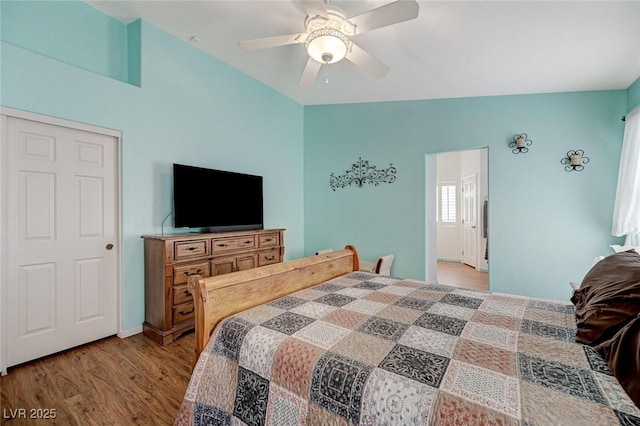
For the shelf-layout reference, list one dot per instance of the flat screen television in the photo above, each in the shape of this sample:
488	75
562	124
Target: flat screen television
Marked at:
215	199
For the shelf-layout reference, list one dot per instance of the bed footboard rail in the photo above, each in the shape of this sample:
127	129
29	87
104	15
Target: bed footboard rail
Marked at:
218	297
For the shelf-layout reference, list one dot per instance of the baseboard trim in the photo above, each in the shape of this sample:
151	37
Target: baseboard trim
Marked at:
123	334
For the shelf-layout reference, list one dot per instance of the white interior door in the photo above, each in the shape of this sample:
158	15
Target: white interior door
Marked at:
61	255
469	220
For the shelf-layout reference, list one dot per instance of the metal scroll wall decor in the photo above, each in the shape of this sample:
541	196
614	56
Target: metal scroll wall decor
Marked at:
574	161
362	173
520	143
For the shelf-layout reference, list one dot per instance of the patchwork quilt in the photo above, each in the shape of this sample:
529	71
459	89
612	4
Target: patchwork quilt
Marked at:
368	349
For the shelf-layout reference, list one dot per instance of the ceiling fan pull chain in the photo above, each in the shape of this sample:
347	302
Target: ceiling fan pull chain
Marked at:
326	73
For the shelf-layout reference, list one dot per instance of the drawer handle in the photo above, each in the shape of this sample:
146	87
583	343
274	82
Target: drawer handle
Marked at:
191	248
221	245
269	258
187	273
187	293
248	242
186	312
268	240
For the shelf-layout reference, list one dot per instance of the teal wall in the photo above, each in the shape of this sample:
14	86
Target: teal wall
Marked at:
69	31
190	109
633	95
546	225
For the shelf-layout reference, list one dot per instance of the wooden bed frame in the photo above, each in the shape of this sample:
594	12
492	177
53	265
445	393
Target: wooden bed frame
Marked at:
218	297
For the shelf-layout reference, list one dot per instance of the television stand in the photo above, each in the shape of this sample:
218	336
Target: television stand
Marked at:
170	260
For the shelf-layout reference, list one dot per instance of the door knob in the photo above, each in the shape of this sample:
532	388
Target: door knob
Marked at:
109	246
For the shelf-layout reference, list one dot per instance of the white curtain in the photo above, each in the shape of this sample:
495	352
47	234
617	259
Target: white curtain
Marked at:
626	213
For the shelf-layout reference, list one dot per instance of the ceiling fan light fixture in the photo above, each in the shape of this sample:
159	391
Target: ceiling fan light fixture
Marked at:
327	45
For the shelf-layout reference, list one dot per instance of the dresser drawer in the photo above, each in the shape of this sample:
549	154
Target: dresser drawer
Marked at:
268	257
182	273
221	245
269	240
189	249
183	312
181	294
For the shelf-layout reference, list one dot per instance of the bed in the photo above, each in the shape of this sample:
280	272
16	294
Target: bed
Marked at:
315	341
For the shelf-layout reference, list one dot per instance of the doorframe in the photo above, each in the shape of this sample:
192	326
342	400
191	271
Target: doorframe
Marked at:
430	190
6	112
431	216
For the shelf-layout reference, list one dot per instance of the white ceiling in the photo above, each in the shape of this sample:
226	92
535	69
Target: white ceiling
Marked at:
453	49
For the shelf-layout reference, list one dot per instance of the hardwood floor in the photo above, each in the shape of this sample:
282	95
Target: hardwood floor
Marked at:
114	381
461	275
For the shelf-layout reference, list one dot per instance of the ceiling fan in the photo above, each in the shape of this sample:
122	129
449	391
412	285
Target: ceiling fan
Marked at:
328	36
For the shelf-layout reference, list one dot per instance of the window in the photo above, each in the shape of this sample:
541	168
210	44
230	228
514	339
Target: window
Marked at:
448	208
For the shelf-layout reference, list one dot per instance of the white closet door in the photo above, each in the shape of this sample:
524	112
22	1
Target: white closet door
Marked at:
61	239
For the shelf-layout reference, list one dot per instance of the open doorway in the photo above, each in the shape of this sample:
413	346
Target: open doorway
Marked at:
461	219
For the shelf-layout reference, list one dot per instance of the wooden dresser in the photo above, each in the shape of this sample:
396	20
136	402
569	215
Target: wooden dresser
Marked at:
170	260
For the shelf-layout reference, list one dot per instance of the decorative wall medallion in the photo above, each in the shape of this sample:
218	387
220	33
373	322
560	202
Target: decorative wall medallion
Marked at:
574	161
520	143
362	173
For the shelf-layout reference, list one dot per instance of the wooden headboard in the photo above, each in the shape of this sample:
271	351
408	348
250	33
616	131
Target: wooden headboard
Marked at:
218	297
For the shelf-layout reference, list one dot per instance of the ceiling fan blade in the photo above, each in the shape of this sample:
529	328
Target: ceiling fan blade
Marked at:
310	72
389	14
314	7
366	62
264	43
